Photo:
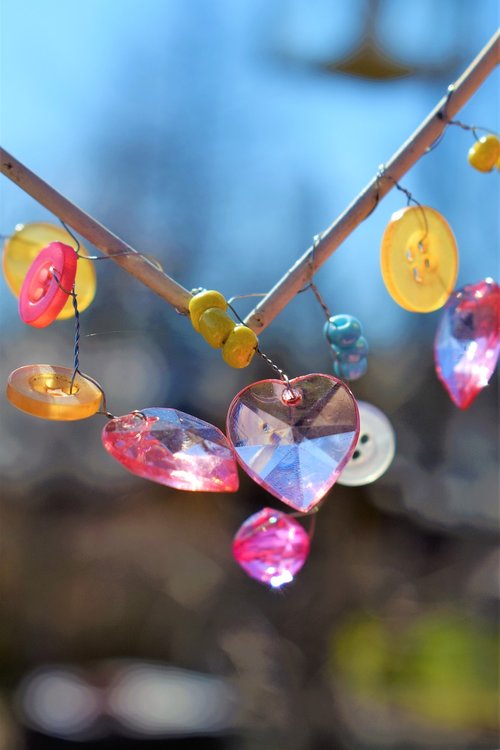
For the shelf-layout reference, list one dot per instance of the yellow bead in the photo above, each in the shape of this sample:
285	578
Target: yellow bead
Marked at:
21	249
202	302
215	325
44	391
240	347
485	153
419	259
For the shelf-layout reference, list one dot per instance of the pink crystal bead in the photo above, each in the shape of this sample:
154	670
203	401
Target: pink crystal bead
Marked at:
468	341
294	441
172	448
271	547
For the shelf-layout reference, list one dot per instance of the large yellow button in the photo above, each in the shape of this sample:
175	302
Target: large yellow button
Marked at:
419	259
44	391
21	249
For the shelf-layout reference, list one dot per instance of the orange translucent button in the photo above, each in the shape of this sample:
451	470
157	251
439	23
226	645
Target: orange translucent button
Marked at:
419	259
44	391
21	249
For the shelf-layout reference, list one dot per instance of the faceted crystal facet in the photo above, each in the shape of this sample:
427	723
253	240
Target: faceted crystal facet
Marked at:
271	547
172	448
294	441
468	341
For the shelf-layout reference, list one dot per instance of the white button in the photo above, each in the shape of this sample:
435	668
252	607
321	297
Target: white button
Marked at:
375	448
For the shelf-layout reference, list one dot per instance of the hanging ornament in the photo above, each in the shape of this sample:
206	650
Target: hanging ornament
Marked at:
23	246
172	448
53	392
294	438
374	451
207	310
467	341
271	547
484	155
47	285
419	259
343	334
349	347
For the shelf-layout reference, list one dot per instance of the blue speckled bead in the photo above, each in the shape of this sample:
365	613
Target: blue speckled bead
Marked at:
350	370
350	362
342	330
353	353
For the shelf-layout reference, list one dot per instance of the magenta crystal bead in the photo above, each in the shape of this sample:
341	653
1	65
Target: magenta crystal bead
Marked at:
173	448
294	441
468	341
271	547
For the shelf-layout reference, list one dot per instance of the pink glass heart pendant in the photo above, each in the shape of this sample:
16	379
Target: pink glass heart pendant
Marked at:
468	341
172	448
294	440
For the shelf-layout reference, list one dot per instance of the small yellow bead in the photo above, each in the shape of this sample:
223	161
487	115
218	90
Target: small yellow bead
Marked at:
202	302
215	325
240	347
485	153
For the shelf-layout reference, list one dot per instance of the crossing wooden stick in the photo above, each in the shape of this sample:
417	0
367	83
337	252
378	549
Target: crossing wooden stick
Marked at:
300	273
410	152
134	263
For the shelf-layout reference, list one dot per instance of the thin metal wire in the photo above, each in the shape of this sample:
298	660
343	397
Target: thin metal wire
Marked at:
472	128
320	299
458	123
312	514
75	239
120	253
76	351
409	197
311	285
441	115
268	360
76	347
245	296
104	409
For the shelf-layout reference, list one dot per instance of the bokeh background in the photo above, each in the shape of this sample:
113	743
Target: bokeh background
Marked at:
220	136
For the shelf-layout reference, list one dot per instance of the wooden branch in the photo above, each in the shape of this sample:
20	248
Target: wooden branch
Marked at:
135	263
297	276
301	272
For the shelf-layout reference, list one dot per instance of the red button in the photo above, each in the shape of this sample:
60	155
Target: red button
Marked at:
47	284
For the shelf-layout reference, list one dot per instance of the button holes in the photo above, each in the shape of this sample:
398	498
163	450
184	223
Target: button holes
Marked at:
364	438
356	455
421	247
427	263
409	256
417	276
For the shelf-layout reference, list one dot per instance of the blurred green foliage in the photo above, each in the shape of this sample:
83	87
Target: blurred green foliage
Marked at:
442	666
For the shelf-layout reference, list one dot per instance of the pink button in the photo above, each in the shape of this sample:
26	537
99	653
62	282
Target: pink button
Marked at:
46	286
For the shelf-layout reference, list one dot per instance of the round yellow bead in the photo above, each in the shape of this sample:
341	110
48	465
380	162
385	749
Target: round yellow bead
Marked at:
240	347
21	249
202	302
485	153
215	325
44	391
